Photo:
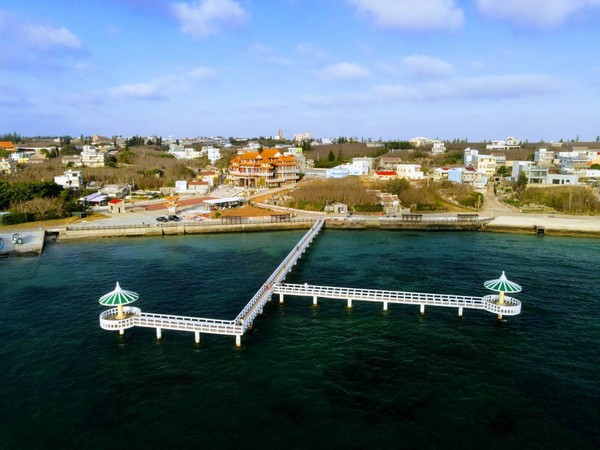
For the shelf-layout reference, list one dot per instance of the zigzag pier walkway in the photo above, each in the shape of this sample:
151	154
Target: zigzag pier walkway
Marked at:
134	317
129	317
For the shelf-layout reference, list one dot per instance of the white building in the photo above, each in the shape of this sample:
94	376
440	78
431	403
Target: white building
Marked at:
409	171
543	157
213	153
469	156
71	179
302	137
366	161
92	157
509	144
518	167
438	148
186	153
7	166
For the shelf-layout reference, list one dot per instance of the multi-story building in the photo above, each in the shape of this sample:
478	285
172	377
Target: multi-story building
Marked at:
409	171
72	179
509	144
7	166
92	157
543	157
485	164
260	170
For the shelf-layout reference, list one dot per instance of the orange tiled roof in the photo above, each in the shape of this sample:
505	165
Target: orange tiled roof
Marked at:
269	153
7	145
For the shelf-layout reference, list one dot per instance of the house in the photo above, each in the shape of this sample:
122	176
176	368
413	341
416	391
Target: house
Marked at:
389	161
421	141
337	172
116	206
337	208
543	157
409	171
71	160
71	179
91	156
391	204
385	175
213	153
440	173
509	144
485	164
469	156
7	166
438	148
366	161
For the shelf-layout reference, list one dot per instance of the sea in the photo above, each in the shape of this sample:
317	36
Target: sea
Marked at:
305	377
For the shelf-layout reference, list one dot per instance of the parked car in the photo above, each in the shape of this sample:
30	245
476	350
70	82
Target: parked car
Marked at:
174	218
162	219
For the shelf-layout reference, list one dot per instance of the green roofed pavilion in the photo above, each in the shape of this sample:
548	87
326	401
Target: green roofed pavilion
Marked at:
119	297
502	285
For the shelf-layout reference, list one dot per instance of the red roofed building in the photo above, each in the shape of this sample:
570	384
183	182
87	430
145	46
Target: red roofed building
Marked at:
116	206
261	170
385	175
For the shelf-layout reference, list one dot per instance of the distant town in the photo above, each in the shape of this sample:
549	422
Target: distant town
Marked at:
58	177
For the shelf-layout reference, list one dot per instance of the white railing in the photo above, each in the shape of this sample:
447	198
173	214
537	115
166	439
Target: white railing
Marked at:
257	302
109	321
184	323
511	306
374	295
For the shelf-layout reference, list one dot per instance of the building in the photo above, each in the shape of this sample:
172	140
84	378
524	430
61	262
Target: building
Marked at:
7	146
302	137
518	167
7	166
469	156
385	175
485	164
116	206
438	148
261	170
92	157
536	174
71	179
389	161
213	153
509	144
421	141
543	157
409	171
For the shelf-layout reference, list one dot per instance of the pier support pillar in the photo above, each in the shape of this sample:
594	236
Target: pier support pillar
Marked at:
197	337
121	332
238	340
158	333
349	303
280	298
422	310
261	311
385	306
460	311
314	300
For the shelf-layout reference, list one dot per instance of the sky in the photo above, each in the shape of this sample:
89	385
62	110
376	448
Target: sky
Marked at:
389	69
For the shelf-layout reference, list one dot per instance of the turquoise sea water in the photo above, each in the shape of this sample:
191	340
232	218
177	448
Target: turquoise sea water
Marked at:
305	377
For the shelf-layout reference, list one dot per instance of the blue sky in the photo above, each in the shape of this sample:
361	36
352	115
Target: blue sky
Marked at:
395	69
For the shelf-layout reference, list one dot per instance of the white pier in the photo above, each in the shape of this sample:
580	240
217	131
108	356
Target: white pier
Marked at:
490	303
124	317
134	317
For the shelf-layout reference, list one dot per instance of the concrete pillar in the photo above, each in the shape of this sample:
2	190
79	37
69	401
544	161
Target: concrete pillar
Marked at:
197	337
121	331
158	333
261	311
349	303
422	310
314	300
281	298
385	306
238	340
460	311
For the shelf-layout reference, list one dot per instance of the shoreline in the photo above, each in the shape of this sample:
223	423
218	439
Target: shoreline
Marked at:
566	226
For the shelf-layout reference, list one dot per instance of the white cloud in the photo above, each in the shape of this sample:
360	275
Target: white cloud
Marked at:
534	12
163	87
412	15
270	56
204	18
485	87
46	37
423	66
344	72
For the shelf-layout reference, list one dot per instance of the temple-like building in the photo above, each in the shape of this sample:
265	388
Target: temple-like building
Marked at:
268	169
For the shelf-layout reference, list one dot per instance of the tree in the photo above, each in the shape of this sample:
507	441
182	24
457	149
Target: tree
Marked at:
330	156
522	181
